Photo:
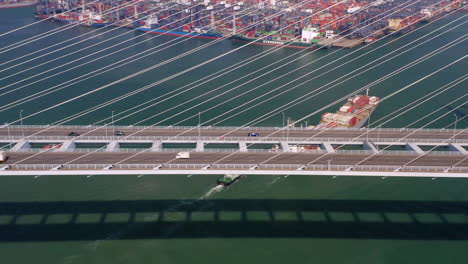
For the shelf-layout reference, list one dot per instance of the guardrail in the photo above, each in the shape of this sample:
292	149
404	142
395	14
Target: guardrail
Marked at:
431	130
192	139
219	150
318	167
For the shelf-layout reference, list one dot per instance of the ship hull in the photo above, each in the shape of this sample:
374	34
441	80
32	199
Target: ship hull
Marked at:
400	31
227	182
67	21
181	33
82	23
296	45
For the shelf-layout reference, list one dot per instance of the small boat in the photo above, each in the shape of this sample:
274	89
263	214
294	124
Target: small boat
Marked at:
228	179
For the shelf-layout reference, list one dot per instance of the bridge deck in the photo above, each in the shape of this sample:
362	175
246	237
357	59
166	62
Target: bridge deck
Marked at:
25	158
63	131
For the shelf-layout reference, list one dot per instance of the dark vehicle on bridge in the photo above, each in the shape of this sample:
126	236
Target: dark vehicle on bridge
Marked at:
253	134
73	134
119	133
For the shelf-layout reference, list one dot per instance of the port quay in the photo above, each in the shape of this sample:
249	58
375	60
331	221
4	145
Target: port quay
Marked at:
311	24
291	151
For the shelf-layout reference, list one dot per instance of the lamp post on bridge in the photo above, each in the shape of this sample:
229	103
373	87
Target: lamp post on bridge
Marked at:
455	127
199	123
283	124
113	125
378	137
8	127
21	118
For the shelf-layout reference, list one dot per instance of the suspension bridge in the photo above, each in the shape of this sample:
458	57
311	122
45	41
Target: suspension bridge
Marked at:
103	148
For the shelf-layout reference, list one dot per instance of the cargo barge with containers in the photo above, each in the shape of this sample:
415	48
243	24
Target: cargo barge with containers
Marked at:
353	114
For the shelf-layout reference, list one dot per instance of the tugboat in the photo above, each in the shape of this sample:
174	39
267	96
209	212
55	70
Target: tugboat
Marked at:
228	179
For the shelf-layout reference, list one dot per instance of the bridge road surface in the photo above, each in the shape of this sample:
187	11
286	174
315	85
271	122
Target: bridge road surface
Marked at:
216	132
238	158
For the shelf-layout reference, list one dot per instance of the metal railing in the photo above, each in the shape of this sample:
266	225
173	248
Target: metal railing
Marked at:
213	139
120	127
182	166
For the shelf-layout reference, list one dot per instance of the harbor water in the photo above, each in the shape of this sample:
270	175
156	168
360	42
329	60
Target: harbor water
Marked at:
259	219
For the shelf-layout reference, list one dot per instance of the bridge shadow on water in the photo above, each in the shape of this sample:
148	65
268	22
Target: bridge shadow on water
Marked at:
359	219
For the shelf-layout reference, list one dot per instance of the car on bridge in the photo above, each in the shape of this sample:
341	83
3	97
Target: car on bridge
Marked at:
119	133
253	134
73	134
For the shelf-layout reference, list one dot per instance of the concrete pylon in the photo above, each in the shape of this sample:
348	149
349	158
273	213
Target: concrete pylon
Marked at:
113	146
20	145
369	146
328	147
458	147
243	146
415	148
67	146
156	146
200	146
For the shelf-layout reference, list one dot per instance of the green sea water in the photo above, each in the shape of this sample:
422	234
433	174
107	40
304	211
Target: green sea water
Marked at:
260	219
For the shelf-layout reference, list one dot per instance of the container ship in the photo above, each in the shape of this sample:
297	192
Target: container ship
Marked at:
353	114
306	38
153	26
86	19
17	3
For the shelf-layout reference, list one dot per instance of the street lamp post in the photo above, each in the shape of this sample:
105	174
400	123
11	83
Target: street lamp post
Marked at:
113	125
455	127
21	118
8	127
106	129
378	136
199	123
283	124
368	126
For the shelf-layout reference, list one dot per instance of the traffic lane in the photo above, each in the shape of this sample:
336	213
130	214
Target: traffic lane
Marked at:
237	133
87	158
229	158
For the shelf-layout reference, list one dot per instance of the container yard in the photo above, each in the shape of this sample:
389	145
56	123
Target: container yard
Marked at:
294	24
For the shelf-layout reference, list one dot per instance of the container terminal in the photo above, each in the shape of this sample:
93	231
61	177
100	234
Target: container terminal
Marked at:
315	23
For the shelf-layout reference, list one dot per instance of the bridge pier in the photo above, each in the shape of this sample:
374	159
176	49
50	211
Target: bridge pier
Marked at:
67	146
457	147
243	146
20	145
113	146
200	146
156	146
285	147
370	146
328	147
415	148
